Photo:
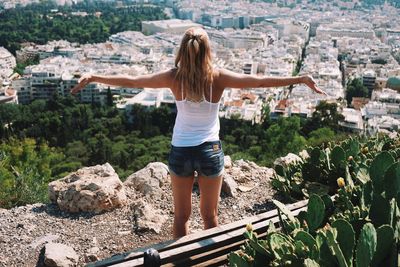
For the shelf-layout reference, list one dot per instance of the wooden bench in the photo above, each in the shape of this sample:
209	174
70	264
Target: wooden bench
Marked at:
205	248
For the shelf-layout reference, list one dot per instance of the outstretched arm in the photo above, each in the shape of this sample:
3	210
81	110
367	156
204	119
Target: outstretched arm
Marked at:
155	80
237	80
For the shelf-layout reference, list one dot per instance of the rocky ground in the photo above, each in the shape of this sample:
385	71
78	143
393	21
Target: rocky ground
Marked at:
144	220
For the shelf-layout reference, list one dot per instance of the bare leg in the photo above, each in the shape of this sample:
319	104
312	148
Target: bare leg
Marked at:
210	189
182	194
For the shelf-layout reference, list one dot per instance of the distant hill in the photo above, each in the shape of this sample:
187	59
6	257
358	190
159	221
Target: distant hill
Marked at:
84	22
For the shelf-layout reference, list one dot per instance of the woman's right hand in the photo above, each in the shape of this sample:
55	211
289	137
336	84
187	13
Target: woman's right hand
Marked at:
83	81
309	81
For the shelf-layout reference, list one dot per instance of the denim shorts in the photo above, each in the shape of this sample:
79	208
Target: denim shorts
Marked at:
206	159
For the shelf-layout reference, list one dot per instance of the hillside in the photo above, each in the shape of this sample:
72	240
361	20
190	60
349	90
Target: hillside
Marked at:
25	230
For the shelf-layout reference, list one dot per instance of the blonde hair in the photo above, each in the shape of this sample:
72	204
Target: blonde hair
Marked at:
194	64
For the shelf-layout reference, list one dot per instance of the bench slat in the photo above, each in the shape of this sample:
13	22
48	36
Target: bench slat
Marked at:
181	256
198	242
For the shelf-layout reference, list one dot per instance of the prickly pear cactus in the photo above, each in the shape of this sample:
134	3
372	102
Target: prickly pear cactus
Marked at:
366	245
385	242
362	221
315	212
309	241
392	180
380	210
345	239
330	235
338	157
238	259
378	168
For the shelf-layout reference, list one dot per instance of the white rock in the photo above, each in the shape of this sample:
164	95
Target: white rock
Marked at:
235	171
43	239
227	162
150	179
393	135
268	173
128	232
94	250
243	165
229	185
147	217
95	189
59	255
3	211
304	154
287	160
245	188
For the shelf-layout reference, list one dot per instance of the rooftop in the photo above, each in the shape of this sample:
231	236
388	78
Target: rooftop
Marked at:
172	23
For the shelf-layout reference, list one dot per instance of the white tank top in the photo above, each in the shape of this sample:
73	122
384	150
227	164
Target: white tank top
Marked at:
196	122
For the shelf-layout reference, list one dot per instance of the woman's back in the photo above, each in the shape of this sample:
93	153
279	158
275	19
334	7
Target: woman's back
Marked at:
196	122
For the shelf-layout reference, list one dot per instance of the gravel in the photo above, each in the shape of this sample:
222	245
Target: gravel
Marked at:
25	230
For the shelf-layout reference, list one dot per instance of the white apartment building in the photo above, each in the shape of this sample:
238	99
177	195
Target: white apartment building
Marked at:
289	27
222	21
368	79
44	83
150	98
23	89
7	63
369	59
382	124
243	39
393	32
8	96
129	37
111	53
140	46
173	26
7	60
374	109
386	95
52	77
352	120
343	29
93	93
278	67
250	68
147	97
51	49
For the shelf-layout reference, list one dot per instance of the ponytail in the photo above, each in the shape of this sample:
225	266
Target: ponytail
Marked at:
194	65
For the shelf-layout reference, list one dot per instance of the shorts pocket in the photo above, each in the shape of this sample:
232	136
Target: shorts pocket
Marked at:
178	162
212	162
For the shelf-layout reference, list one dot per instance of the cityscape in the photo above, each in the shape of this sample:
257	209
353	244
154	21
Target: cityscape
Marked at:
286	177
335	42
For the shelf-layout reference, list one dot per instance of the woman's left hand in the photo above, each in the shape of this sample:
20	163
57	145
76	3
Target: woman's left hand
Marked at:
83	81
309	81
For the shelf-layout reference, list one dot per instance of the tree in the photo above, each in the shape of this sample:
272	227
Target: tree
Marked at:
265	115
326	115
283	137
320	136
110	101
355	88
8	114
26	168
61	135
164	118
33	23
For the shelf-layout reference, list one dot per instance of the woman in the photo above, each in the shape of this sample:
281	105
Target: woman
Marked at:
196	148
